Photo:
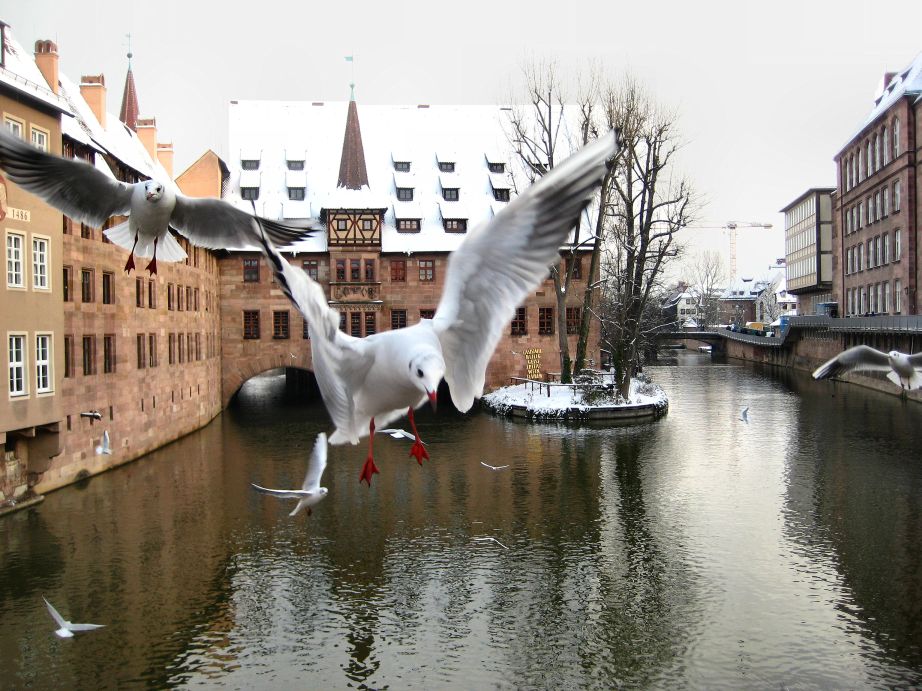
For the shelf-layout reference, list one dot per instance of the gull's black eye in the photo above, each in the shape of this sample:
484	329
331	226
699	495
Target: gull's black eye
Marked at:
419	372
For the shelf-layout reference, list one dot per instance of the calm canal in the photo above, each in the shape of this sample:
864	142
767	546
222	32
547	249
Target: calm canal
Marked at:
694	551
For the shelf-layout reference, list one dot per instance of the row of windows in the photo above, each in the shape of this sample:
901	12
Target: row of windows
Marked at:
874	208
38	136
878	252
17	261
179	297
181	347
546	321
874	298
872	154
18	359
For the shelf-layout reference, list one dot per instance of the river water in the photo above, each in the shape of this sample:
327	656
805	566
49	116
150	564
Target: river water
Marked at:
696	550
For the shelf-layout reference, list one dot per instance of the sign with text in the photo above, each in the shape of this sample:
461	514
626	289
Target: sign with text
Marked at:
533	362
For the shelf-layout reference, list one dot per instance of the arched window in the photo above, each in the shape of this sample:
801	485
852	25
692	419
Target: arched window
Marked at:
860	167
870	158
877	151
886	145
896	137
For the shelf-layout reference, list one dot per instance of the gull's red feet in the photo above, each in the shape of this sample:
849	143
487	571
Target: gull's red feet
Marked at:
368	470
419	451
129	265
152	267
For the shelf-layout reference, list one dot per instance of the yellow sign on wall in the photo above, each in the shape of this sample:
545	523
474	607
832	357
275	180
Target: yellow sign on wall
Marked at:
533	363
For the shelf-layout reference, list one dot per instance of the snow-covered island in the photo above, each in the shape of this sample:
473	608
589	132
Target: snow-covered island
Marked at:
592	398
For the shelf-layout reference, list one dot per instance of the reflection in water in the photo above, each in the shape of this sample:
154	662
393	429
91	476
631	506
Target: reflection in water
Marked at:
695	550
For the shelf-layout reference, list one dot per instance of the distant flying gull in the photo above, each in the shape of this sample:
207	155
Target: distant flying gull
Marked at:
89	196
104	447
66	629
486	538
494	467
95	414
381	377
903	370
744	414
311	492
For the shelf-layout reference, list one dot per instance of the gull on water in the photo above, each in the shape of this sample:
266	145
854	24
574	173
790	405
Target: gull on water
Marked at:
104	447
65	628
379	378
493	467
903	370
88	195
487	538
311	492
744	414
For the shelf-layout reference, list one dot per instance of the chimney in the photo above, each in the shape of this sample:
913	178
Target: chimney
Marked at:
888	77
165	156
147	133
93	91
46	59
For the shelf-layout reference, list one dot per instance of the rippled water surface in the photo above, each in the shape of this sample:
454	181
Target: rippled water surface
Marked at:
696	550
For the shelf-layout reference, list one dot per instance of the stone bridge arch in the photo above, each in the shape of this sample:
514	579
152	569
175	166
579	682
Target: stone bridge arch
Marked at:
235	372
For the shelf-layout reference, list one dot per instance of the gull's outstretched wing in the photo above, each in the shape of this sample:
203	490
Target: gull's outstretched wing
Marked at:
75	187
503	260
58	619
859	357
85	627
216	224
281	493
316	464
340	361
915	360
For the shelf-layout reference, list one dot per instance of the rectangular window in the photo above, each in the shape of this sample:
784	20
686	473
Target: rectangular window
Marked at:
405	194
171	348
355	324
14	271
897	244
575	266
250	270
545	321
280	324
398	270
450	194
39	138
311	268
368	224
16	351
139	292
86	285
296	194
89	355
446	167
189	347
574	317
108	282
886	248
408	225
426	314
305	330
340	269
13	126
426	270
896	196
108	353
68	287
86	232
398	319
455	225
886	307
342	322
371	323
169	296
250	325
355	270
189	303
402	166
142	351
369	269
179	298
68	357
152	350
519	322
497	167
43	359
40	248
151	294
897	296
181	347
249	193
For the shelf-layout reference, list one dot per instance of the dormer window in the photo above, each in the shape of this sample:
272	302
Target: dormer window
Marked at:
249	158
446	161
294	158
446	167
455	225
249	193
501	195
295	165
497	167
249	164
408	225
402	166
405	194
450	194
296	194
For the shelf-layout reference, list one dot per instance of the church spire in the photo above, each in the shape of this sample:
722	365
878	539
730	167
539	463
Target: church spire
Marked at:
352	172
129	112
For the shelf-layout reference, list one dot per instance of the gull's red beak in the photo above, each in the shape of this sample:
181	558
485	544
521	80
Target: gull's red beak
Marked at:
434	400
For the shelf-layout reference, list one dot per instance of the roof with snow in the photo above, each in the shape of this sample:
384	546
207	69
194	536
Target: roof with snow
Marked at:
20	72
749	288
906	82
467	138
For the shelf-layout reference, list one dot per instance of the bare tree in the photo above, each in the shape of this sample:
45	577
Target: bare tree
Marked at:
646	206
768	308
709	274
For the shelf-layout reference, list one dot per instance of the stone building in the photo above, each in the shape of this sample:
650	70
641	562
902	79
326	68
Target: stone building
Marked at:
877	213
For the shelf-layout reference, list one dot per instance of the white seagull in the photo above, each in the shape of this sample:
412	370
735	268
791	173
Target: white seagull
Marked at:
493	467
67	629
381	377
311	492
104	447
89	196
744	414
903	370
487	538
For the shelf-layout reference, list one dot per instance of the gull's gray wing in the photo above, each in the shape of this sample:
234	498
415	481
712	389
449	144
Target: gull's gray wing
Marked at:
859	357
58	619
72	186
503	260
216	224
915	360
316	464
281	493
84	627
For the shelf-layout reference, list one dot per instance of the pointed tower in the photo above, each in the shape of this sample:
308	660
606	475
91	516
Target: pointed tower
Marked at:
129	112
352	172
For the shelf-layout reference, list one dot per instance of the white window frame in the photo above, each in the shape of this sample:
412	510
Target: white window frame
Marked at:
18	364
39	137
887	297
41	270
897	244
15	265
897	296
896	196
14	125
896	137
44	362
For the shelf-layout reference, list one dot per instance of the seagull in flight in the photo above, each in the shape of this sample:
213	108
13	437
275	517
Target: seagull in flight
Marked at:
380	378
903	370
87	195
66	629
311	492
105	447
487	538
493	467
744	414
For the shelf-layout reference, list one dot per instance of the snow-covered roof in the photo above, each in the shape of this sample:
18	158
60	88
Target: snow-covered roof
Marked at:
906	82
471	137
20	72
750	288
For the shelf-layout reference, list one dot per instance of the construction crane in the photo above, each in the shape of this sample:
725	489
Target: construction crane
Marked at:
732	227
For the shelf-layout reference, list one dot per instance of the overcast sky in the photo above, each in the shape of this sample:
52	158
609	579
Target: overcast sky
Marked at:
767	93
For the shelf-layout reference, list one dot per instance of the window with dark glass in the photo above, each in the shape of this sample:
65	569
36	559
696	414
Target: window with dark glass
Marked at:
86	285
426	314
169	296
250	325
398	270
398	319
574	317
189	347
426	270
369	269
545	321
152	350
575	266
189	298
249	193
446	167
249	164
450	194
295	165
108	353
355	324
340	269
250	270
371	323
139	292
171	349
68	287
355	270
408	224
497	167
68	356
342	322
89	355
280	324
519	323
311	268
86	232
402	166
108	294
500	194
296	194
305	329
181	347
405	194
141	345
456	225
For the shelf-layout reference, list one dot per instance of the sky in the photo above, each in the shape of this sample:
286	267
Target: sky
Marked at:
766	93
